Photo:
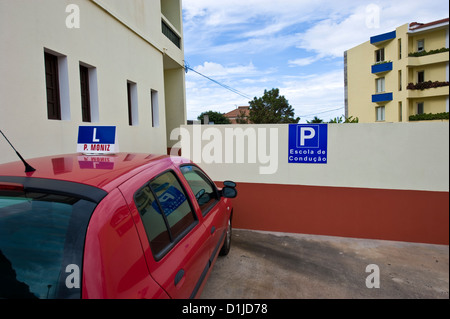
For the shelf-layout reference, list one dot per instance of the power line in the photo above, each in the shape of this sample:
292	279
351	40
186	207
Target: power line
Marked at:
322	112
187	67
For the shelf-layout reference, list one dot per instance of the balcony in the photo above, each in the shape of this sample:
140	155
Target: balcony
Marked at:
434	89
382	97
382	67
170	34
383	37
428	59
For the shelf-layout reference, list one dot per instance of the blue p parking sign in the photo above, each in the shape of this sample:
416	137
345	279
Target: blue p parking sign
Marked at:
308	143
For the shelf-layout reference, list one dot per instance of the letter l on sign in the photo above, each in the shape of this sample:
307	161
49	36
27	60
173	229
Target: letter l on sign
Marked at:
94	138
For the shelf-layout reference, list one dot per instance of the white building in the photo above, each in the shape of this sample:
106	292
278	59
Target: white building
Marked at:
69	63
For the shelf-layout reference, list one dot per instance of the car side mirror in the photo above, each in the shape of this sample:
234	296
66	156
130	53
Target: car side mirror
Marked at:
229	192
229	184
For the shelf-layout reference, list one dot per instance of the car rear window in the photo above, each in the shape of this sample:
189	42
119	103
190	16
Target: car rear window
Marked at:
41	244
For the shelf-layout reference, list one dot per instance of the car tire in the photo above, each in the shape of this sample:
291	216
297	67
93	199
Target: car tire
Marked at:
227	243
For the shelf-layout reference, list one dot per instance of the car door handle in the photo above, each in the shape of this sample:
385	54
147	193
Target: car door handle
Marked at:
179	276
213	230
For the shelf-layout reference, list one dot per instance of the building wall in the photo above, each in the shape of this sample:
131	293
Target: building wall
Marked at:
434	39
175	100
361	81
122	42
382	181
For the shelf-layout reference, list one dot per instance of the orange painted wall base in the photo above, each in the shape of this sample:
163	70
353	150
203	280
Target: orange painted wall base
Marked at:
399	215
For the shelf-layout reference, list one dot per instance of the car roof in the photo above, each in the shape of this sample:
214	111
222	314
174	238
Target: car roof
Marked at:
103	171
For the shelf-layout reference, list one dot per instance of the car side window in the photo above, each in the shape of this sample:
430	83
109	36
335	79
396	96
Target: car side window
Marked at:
165	211
155	227
202	187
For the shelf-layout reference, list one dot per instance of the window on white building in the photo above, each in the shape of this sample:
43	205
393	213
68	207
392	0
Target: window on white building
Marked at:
132	104
155	108
52	85
89	93
57	85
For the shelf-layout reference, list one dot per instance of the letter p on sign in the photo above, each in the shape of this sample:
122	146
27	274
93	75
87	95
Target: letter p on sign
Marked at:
306	133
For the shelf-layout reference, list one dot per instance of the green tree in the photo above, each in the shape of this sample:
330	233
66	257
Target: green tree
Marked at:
216	117
315	120
271	108
343	119
242	118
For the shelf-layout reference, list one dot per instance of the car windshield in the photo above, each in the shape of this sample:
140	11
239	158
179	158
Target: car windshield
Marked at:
41	244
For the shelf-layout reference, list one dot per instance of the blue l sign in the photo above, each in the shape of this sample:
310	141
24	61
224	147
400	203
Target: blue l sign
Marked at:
308	143
97	140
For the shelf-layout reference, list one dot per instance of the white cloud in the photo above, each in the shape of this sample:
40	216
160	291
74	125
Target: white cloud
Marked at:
303	61
203	96
221	37
315	93
331	38
217	70
334	35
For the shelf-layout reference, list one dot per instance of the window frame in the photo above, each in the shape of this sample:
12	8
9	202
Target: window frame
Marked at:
132	103
380	85
86	111
158	256
420	45
380	55
382	110
421	107
210	182
421	76
154	107
52	77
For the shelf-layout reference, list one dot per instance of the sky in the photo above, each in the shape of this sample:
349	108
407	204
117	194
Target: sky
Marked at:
295	45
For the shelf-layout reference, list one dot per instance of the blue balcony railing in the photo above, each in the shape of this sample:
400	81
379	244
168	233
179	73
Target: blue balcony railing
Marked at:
383	67
383	37
382	97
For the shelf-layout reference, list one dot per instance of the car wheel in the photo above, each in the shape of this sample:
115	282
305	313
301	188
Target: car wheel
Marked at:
227	244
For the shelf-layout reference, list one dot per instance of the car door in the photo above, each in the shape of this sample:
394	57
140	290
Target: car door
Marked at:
175	242
208	204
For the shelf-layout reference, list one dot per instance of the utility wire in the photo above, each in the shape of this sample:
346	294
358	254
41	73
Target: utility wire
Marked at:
322	112
187	67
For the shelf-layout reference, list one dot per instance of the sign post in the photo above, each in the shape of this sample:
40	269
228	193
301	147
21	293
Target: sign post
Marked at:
95	140
308	143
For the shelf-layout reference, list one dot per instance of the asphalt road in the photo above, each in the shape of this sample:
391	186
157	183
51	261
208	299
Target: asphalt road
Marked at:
265	265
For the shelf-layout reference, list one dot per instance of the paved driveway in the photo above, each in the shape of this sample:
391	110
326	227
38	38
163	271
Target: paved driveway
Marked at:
264	265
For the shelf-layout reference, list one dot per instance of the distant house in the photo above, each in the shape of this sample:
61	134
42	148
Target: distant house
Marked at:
239	115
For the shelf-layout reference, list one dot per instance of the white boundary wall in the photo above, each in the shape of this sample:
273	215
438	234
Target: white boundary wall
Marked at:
404	156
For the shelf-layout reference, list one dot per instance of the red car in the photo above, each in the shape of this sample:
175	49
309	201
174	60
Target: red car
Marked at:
117	226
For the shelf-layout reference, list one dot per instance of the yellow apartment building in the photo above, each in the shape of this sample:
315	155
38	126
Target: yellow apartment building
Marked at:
399	74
